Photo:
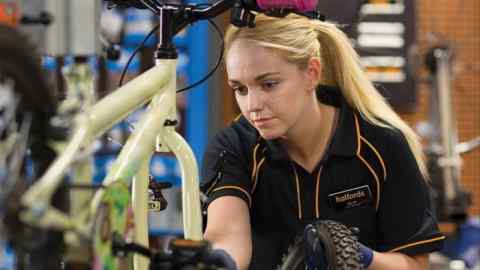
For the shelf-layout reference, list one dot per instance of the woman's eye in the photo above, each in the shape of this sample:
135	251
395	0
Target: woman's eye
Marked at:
269	84
241	90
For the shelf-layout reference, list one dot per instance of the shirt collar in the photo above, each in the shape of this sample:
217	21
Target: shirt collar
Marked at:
345	141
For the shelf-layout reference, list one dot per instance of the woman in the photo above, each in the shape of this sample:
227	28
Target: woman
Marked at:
315	141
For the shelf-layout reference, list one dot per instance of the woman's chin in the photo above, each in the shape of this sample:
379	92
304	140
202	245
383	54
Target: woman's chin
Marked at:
268	135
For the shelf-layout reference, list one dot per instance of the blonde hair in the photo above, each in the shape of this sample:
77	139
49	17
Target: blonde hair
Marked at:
298	39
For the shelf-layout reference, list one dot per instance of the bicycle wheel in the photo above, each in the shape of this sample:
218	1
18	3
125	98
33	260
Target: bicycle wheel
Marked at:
26	106
342	248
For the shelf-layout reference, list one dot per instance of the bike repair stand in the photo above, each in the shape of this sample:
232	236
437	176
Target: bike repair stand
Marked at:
444	150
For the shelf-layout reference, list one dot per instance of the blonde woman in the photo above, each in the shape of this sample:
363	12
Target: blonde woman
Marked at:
314	141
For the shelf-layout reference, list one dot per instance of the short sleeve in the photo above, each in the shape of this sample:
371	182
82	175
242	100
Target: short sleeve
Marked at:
225	169
406	221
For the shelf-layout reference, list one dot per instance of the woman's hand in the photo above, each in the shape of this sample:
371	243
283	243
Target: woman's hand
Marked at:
228	228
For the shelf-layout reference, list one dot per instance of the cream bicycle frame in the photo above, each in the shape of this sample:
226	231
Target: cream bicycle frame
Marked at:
158	84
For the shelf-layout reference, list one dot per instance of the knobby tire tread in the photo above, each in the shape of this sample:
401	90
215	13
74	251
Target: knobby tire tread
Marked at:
341	244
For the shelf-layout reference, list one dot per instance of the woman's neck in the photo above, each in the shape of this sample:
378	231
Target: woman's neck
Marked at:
307	141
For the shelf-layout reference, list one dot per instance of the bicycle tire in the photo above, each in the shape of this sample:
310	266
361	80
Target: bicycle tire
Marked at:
20	67
342	248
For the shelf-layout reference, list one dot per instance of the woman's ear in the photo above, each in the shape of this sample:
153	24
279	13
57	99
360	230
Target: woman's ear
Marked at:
314	71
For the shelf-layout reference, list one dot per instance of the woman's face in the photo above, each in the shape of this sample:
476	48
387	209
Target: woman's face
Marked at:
271	93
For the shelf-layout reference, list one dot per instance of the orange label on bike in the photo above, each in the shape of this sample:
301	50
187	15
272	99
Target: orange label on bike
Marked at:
9	13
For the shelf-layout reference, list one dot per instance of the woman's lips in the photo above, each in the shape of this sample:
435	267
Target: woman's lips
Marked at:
262	122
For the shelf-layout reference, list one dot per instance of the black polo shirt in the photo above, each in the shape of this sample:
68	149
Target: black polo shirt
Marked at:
368	179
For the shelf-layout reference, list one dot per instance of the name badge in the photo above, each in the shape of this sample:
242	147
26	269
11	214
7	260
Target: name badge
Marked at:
350	198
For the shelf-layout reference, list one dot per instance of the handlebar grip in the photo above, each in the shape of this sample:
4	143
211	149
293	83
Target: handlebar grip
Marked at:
298	5
44	18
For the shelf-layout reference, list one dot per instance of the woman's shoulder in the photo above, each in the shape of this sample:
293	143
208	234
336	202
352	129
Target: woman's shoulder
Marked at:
382	133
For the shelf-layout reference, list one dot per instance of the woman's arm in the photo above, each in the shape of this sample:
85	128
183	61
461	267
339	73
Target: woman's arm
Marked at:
228	228
398	261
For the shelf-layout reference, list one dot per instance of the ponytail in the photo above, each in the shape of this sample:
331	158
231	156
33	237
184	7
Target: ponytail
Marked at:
341	65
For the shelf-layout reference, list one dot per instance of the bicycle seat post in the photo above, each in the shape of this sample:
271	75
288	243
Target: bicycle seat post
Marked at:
166	50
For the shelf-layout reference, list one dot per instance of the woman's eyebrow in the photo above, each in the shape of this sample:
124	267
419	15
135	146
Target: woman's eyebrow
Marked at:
258	78
233	82
264	75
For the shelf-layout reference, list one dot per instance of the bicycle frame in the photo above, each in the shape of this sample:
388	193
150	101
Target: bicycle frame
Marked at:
158	85
154	130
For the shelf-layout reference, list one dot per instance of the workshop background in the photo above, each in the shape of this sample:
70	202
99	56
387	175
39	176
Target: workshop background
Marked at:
399	71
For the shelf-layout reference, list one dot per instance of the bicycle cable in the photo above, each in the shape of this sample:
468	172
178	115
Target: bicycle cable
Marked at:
206	77
150	6
139	47
219	61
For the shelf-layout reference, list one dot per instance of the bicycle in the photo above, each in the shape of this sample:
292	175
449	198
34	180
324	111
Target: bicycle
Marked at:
115	220
22	127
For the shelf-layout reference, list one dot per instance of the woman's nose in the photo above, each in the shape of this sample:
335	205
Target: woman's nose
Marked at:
255	101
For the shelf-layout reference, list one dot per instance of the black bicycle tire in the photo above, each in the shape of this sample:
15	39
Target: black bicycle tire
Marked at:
341	243
20	63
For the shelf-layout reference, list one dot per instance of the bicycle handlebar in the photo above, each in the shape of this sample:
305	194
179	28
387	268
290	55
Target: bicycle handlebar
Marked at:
188	13
298	5
43	18
181	254
257	5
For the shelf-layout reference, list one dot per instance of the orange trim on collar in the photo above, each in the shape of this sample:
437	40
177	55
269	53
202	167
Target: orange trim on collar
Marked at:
377	202
378	156
256	174
317	188
254	161
299	201
237	117
357	127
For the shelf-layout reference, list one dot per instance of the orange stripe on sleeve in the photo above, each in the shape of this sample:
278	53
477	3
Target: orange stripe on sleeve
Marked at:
237	188
417	243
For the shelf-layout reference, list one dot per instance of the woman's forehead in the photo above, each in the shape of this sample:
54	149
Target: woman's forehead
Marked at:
246	58
247	47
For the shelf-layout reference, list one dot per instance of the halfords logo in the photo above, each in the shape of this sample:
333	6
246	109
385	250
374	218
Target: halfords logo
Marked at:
350	196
